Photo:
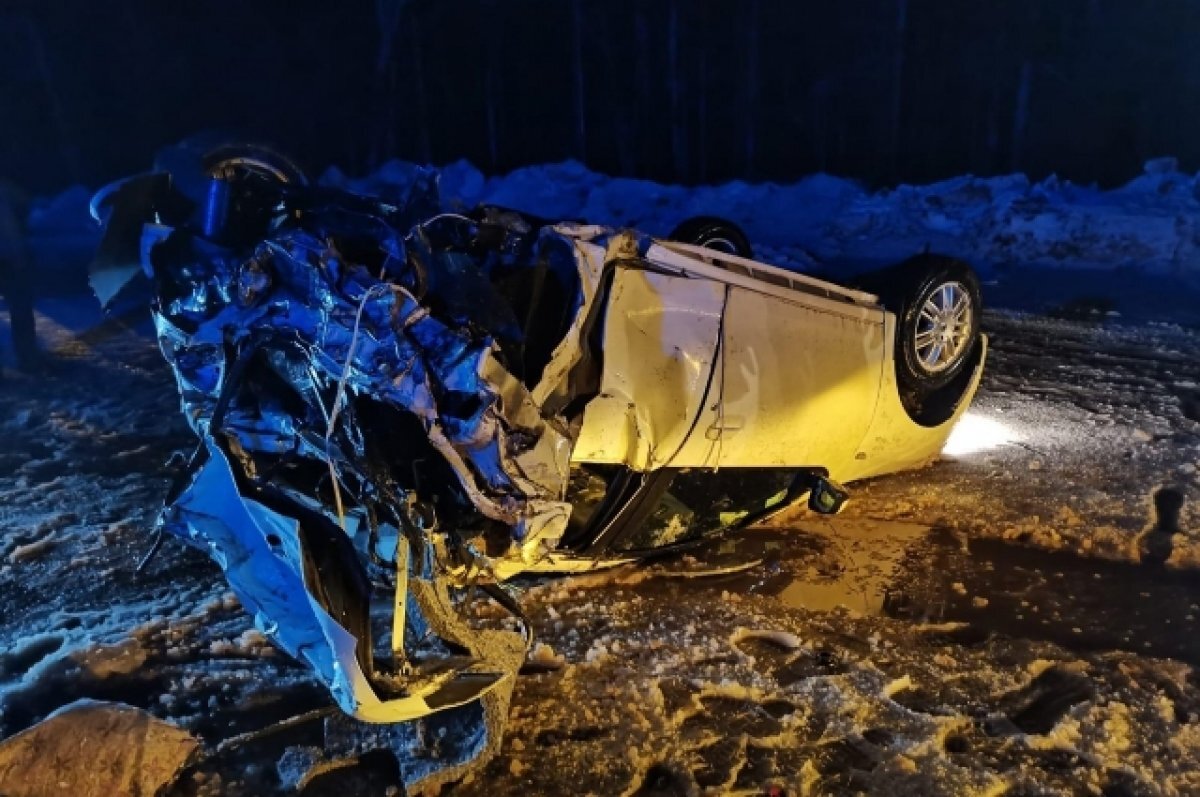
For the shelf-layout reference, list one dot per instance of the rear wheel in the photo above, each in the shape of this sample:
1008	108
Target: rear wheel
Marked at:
937	321
245	187
252	160
715	233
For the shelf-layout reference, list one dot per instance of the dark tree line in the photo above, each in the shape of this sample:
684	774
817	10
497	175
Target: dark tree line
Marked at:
675	90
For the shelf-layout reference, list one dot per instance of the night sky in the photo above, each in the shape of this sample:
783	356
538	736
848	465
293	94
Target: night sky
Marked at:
881	90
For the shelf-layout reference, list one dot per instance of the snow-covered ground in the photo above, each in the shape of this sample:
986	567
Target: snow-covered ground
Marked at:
999	623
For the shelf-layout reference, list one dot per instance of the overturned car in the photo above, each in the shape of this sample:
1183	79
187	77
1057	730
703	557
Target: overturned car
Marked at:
396	406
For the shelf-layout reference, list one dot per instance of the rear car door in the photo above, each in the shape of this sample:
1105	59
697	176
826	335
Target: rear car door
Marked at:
798	379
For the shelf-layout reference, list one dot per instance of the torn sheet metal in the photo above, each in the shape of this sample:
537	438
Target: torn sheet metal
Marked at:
342	420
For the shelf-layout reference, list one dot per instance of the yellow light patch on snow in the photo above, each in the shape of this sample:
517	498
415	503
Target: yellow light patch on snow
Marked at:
975	433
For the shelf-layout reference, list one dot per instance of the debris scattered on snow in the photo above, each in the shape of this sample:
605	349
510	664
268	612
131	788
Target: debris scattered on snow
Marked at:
542	657
781	639
34	550
105	661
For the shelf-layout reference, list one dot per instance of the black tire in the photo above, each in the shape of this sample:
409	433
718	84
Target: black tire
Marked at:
713	232
938	305
255	180
253	159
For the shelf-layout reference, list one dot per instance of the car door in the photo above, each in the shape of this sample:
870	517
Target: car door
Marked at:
660	341
796	382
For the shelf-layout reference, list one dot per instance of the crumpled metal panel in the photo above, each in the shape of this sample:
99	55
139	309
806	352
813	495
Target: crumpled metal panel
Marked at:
331	323
330	403
661	341
264	559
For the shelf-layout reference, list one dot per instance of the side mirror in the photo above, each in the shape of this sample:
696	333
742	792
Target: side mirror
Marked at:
826	497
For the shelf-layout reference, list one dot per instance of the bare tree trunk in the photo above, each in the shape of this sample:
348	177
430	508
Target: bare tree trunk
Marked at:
750	87
678	123
577	70
643	112
702	107
16	277
66	145
1021	116
492	88
418	62
388	14
898	85
819	94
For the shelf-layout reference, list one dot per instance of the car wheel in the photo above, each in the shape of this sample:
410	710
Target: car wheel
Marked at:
715	233
938	322
244	185
245	160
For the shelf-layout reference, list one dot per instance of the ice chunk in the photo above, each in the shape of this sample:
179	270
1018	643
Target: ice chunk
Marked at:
93	749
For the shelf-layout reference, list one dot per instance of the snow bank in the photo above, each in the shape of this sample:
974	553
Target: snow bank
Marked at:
1149	224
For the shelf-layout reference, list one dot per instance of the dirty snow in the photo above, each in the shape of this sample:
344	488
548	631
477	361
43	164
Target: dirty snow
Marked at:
128	752
1149	224
1016	619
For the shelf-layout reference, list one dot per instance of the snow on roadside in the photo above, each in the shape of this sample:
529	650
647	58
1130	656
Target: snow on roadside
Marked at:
1149	224
128	752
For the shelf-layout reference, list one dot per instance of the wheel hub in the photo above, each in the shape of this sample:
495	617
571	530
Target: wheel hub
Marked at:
943	327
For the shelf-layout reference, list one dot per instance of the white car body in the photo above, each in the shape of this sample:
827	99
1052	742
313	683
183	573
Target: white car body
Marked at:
718	361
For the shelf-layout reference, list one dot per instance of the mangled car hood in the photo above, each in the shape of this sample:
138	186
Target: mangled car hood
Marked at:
369	438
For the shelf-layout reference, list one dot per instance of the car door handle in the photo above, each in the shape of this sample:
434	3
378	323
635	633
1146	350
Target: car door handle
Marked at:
726	424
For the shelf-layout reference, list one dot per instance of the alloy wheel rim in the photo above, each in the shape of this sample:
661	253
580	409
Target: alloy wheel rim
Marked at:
720	244
943	327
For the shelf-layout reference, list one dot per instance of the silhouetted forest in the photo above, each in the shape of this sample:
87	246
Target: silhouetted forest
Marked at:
675	90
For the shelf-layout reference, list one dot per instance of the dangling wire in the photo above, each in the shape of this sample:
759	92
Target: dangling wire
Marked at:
340	397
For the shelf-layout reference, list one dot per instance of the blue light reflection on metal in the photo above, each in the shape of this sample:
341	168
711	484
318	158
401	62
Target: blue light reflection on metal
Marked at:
276	346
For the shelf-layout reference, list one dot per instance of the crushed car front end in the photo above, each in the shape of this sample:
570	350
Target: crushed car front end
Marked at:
366	444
